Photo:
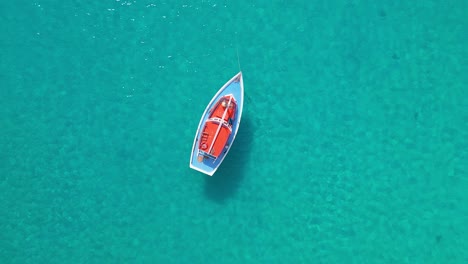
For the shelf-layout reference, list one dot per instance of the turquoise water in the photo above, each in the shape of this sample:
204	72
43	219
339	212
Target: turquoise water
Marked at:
353	146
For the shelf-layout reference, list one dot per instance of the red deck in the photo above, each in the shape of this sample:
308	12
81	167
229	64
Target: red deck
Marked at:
214	135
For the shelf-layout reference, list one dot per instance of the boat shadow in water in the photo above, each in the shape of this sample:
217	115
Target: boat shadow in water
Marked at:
224	183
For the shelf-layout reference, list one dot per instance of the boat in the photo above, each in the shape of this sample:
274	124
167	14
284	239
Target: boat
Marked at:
218	127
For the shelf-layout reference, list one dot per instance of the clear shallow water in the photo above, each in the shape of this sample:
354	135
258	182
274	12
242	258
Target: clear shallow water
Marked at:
351	148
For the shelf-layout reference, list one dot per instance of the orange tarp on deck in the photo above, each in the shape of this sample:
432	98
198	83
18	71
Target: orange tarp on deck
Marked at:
207	137
211	127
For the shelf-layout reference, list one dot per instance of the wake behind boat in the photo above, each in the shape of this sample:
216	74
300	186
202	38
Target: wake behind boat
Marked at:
218	127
